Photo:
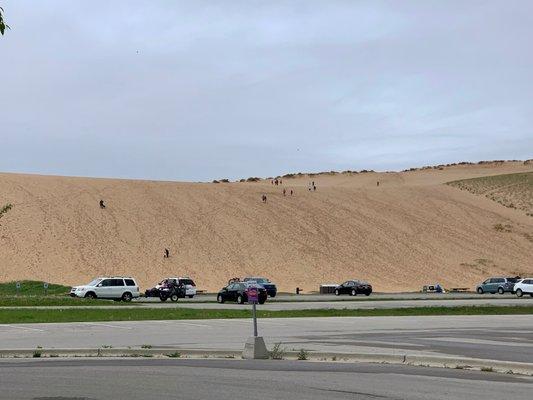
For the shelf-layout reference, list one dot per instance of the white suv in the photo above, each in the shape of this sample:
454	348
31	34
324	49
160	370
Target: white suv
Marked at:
525	286
190	286
116	288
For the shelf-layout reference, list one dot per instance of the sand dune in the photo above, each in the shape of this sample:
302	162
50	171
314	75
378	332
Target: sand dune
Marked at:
409	231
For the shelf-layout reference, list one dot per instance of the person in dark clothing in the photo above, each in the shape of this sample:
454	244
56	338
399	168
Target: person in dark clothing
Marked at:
167	253
102	205
264	198
378	183
284	192
291	192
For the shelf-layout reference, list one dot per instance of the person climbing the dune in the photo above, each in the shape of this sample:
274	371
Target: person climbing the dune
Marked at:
167	253
102	205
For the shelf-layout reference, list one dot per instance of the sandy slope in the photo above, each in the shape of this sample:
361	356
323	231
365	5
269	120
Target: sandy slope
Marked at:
409	231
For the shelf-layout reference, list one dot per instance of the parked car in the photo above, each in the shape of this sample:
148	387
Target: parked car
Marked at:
236	291
500	285
524	286
190	286
353	288
117	288
270	287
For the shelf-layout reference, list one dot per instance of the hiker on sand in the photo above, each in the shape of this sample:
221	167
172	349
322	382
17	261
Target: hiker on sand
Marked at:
284	192
264	198
167	253
291	192
378	183
102	205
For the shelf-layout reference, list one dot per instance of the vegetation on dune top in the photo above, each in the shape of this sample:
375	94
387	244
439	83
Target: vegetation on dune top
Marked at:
510	190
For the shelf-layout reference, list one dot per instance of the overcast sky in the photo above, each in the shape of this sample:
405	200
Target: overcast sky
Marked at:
197	90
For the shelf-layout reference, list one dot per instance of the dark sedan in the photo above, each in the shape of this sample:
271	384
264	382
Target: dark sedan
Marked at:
270	287
237	291
353	288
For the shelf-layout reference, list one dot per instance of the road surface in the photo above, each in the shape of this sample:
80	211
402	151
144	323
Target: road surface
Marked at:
141	379
503	337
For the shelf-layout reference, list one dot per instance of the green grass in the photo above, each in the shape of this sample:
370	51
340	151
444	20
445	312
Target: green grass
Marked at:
31	288
55	301
10	316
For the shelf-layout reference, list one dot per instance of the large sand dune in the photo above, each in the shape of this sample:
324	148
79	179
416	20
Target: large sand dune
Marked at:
409	231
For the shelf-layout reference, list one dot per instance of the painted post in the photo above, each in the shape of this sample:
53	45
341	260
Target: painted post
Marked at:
18	288
45	288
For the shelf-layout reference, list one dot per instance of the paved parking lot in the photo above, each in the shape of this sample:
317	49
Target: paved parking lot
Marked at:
505	337
141	379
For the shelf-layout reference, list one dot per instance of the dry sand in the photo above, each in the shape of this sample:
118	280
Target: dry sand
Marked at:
409	231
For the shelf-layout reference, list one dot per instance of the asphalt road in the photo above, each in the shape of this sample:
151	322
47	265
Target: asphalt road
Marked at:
235	380
504	337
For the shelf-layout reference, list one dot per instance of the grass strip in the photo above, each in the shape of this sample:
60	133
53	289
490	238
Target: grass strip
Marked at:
44	301
32	288
11	316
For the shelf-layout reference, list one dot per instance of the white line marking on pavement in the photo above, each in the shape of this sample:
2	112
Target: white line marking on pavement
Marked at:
110	326
26	328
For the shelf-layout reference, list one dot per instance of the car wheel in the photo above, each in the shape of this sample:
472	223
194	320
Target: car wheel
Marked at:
367	293
480	290
531	294
90	295
174	298
500	290
353	292
262	301
220	299
127	297
240	299
190	296
519	293
163	298
273	295
337	293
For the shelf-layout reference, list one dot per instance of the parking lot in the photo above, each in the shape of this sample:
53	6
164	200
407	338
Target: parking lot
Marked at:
504	337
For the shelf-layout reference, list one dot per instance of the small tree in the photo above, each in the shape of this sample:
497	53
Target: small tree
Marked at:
3	25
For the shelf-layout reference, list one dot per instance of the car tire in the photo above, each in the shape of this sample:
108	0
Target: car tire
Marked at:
519	293
531	294
162	298
480	290
273	295
190	296
337	293
174	298
367	293
240	299
220	299
90	295
127	297
353	292
500	290
262	301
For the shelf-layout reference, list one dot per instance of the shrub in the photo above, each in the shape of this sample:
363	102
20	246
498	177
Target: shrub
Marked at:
277	353
176	354
302	355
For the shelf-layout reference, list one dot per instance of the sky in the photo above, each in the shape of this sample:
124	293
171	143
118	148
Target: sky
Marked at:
200	90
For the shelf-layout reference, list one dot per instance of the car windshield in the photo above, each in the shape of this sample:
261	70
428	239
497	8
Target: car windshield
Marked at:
94	282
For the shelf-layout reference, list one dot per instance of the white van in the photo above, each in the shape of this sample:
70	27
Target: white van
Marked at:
117	288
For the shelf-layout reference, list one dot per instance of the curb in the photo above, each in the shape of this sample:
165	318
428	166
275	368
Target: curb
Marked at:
507	367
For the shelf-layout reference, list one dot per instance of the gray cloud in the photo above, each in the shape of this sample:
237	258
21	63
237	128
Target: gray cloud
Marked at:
196	90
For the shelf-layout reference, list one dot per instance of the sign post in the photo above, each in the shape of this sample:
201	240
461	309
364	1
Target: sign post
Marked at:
255	347
45	288
253	297
18	287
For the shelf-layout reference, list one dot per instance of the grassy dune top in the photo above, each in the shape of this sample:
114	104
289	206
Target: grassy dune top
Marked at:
510	190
